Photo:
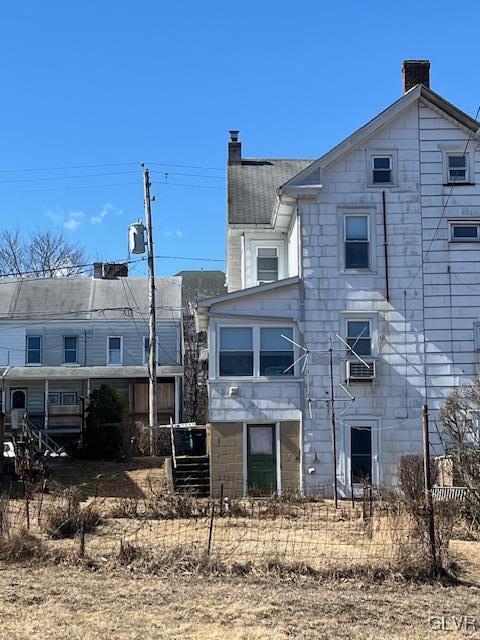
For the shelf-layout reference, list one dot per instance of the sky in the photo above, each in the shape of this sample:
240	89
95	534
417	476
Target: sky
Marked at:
93	89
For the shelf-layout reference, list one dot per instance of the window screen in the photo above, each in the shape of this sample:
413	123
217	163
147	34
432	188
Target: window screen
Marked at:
267	265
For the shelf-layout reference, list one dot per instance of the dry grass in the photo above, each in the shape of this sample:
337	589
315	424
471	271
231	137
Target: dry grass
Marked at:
54	603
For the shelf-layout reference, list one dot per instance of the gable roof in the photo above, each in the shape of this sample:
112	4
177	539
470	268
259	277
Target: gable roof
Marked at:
80	298
419	92
252	187
249	291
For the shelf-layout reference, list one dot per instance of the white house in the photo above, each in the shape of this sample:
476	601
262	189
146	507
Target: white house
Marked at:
376	242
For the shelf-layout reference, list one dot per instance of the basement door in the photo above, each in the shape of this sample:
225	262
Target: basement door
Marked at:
261	459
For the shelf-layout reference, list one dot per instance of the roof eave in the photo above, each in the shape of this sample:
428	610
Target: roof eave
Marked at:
241	293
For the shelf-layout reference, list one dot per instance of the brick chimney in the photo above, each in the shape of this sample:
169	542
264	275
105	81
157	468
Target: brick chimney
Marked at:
234	148
98	270
415	72
112	271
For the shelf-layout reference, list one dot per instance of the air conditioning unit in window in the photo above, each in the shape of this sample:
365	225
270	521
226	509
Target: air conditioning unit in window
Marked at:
357	370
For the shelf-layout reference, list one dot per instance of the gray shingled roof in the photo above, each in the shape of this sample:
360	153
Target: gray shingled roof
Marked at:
252	187
81	297
197	285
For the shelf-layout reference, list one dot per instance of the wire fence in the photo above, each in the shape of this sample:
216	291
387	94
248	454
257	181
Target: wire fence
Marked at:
372	533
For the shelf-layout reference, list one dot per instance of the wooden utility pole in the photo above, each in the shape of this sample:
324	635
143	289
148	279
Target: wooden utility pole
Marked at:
152	337
428	489
332	414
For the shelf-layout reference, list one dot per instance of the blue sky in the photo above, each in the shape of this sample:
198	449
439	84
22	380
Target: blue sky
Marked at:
91	89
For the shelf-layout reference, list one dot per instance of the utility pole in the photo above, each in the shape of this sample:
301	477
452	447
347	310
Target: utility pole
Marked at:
428	489
152	337
332	414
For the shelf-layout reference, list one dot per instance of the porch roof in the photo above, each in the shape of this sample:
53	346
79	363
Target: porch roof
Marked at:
82	373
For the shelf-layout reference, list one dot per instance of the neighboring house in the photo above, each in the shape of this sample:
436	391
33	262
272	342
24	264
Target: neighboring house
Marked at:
378	242
61	338
196	285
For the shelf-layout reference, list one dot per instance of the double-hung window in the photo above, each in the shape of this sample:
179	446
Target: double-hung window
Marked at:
34	350
70	349
267	264
359	337
114	350
381	169
256	351
357	241
457	168
276	352
236	351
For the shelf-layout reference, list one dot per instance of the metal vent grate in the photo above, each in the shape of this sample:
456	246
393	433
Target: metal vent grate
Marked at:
359	371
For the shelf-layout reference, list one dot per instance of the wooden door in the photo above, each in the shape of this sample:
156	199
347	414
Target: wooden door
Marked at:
261	459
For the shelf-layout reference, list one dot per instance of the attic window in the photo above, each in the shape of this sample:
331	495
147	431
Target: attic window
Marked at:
267	264
457	168
382	169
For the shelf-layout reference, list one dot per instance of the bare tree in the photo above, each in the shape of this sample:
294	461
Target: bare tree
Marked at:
46	254
459	430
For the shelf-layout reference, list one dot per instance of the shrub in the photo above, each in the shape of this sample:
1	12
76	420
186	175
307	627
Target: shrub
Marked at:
21	546
105	432
69	517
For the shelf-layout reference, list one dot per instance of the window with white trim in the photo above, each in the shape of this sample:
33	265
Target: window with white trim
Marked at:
70	349
356	241
276	353
69	397
267	264
256	351
236	351
359	337
382	169
114	350
34	350
464	231
457	168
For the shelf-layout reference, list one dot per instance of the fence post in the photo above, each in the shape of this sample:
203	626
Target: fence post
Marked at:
221	500
428	490
210	530
81	549
27	503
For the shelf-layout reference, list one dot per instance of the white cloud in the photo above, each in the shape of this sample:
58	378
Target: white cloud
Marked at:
168	233
69	220
104	211
179	233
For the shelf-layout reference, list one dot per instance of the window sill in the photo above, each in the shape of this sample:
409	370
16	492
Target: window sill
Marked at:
459	184
70	364
360	272
34	364
239	379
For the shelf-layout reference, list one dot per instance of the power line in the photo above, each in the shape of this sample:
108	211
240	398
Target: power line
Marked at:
191	175
424	255
84	175
108	164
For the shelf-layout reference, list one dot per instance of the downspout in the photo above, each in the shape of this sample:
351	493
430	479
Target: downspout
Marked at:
302	324
385	246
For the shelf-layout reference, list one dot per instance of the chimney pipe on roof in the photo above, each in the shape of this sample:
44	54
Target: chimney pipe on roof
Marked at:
415	72
114	270
234	148
98	270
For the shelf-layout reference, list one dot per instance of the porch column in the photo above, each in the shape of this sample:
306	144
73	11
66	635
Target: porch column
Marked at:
177	399
45	418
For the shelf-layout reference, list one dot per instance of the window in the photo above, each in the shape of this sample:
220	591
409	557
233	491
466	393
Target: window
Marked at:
359	336
267	264
381	169
357	242
457	168
361	454
34	350
276	353
464	231
236	351
69	398
54	398
256	351
70	350
114	355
